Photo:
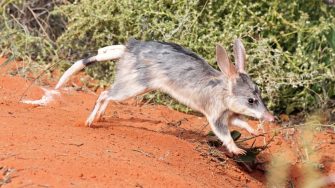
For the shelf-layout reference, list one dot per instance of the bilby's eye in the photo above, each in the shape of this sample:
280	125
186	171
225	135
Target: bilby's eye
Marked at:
251	101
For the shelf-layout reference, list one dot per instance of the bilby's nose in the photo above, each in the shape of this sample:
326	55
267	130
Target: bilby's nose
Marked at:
268	117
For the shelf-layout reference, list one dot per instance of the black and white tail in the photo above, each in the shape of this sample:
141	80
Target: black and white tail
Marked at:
113	52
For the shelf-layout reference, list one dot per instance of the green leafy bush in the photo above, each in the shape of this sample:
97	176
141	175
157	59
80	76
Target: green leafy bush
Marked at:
290	46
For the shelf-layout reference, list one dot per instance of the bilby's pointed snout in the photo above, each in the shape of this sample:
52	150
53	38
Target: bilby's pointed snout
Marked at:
268	117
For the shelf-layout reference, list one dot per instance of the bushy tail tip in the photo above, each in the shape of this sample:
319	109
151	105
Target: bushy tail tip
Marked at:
46	99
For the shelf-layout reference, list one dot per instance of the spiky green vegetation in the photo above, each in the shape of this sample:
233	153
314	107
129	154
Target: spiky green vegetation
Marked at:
291	45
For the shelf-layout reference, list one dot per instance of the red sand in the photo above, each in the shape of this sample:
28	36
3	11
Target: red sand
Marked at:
134	146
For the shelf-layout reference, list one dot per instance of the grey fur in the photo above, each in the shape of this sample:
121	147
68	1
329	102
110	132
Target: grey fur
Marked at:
187	77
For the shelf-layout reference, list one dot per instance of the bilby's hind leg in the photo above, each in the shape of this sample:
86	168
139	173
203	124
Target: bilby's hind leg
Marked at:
118	92
104	105
102	109
102	98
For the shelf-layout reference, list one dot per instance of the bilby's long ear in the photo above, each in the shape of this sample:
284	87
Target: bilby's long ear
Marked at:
240	57
224	63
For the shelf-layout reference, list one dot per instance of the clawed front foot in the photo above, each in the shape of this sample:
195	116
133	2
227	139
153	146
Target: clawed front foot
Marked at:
244	125
237	151
234	149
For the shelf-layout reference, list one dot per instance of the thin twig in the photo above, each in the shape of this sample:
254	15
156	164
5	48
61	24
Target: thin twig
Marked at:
143	152
38	22
263	134
48	68
203	127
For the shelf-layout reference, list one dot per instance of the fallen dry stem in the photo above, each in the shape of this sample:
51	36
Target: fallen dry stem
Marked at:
263	134
143	152
41	74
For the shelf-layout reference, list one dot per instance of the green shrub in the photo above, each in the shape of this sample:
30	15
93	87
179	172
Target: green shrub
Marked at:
290	46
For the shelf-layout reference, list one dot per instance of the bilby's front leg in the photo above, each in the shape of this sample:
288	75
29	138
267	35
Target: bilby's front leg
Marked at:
236	121
219	125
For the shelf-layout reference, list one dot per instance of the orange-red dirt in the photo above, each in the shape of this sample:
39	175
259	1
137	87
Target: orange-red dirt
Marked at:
135	145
